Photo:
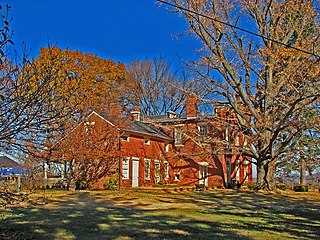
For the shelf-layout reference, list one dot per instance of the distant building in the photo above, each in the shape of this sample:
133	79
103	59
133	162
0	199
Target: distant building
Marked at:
9	166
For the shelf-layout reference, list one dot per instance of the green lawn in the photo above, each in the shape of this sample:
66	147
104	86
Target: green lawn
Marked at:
141	214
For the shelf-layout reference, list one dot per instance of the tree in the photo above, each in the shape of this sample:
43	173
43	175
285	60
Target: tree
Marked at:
155	89
80	83
27	110
90	152
271	78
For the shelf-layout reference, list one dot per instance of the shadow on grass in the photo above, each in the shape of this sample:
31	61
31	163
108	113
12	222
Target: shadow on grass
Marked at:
85	216
274	213
195	215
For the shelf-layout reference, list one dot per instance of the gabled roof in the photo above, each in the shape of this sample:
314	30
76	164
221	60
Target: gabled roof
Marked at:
137	127
7	162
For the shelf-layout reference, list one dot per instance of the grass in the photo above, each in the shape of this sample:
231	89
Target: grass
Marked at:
142	214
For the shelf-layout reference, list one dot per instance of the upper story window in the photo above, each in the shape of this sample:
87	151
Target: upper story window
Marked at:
147	141
166	147
203	129
125	138
178	135
89	126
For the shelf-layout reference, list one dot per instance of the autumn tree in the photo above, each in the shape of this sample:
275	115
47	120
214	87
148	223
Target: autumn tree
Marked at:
90	152
268	72
80	83
156	89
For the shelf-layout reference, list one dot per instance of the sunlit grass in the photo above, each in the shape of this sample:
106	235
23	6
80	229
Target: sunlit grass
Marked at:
161	214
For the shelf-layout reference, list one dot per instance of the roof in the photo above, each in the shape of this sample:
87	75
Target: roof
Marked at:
7	162
147	129
137	127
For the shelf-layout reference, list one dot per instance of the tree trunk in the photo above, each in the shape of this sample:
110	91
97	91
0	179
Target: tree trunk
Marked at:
266	171
271	183
302	171
260	172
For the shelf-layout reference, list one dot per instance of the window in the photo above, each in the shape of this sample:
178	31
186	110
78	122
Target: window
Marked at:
166	170
157	171
177	176
125	138
125	168
178	135
147	141
89	126
166	147
147	169
203	129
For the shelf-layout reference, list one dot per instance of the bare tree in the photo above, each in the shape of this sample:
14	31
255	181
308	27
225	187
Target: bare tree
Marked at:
270	76
27	111
156	89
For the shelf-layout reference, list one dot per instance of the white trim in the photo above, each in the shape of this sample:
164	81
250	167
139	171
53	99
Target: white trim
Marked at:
149	169
94	112
127	159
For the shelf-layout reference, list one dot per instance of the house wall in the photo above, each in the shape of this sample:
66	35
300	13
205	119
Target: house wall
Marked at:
212	151
155	152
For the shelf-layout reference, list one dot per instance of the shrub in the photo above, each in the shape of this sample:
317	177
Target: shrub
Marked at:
281	186
253	186
301	188
112	182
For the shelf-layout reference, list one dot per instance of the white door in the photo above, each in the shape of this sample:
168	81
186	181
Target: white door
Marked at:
203	175
135	172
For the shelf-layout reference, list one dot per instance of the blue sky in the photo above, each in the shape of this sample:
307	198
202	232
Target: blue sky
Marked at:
121	30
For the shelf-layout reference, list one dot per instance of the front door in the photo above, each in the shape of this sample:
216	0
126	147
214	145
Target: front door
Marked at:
135	172
203	175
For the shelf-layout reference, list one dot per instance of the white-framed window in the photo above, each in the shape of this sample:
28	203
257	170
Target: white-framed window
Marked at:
166	170
203	129
177	176
178	135
157	171
166	147
125	138
147	141
89	126
147	169
125	168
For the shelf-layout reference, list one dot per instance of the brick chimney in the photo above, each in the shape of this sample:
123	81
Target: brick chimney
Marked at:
192	106
136	113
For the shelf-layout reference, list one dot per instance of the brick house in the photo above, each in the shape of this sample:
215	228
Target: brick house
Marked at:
206	147
191	150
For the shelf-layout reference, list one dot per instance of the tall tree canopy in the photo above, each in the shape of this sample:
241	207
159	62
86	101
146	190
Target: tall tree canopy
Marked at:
78	83
272	78
156	89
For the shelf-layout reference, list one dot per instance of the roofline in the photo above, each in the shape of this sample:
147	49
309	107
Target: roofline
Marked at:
94	112
149	135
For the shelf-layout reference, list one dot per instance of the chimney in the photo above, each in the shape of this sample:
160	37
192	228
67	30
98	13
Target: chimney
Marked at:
192	106
171	114
136	113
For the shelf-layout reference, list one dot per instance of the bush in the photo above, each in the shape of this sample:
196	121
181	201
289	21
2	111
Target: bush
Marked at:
112	182
281	186
253	186
301	188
